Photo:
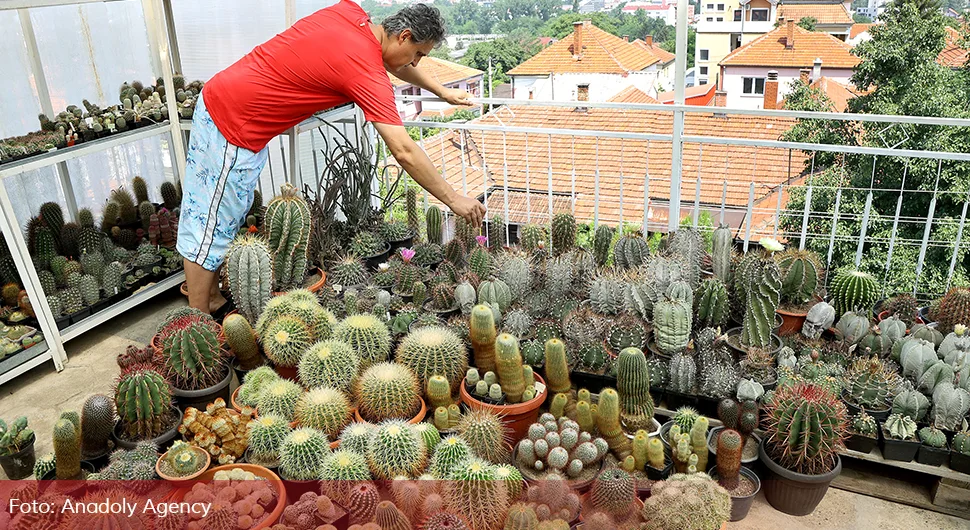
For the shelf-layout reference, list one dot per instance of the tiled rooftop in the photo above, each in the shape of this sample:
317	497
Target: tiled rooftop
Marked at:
661	54
632	94
602	53
827	13
769	50
445	72
859	29
953	54
837	93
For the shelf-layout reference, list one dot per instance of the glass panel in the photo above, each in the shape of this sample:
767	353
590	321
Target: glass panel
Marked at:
759	15
19	105
748	82
737	15
759	86
29	190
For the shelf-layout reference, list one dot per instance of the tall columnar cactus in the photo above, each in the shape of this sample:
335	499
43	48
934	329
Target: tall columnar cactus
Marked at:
729	446
688	502
688	244
475	491
70	239
170	195
763	289
97	422
67	449
722	253
127	209
954	309
711	303
608	423
508	362
433	224
630	252
250	270
800	271
672	325
242	341
532	237
482	334
145	212
192	351
53	216
89	240
602	241
325	409
302	453
396	448
140	187
557	367
633	385
387	390
434	350
367	335
496	233
853	290
144	402
806	425
110	216
563	232
287	226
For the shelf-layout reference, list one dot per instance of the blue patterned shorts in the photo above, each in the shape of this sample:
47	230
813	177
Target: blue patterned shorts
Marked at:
220	179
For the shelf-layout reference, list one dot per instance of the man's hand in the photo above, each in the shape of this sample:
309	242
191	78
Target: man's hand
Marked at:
456	96
469	209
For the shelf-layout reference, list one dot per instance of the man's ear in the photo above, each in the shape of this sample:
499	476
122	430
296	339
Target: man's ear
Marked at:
403	36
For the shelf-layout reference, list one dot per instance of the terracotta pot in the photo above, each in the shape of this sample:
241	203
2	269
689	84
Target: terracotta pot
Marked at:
791	322
236	405
170	478
287	372
414	421
319	285
518	416
259	471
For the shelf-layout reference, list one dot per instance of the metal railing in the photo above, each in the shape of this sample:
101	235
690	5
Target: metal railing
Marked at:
906	226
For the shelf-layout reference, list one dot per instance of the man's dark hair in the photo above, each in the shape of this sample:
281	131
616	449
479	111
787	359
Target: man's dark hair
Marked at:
424	21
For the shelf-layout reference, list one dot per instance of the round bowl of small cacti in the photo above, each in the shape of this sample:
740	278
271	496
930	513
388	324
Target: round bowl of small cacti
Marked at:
517	416
270	517
182	462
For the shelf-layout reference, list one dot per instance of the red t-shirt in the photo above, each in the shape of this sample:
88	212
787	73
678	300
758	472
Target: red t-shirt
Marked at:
324	60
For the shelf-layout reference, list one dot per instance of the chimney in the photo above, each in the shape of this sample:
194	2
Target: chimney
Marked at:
577	39
720	98
771	91
804	74
790	40
817	69
626	38
649	40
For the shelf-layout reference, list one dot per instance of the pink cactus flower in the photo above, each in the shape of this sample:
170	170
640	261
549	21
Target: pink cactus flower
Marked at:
407	254
482	240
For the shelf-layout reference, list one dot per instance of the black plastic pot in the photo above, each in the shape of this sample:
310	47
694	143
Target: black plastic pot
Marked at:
240	373
98	462
932	456
741	352
19	465
200	398
98	306
80	315
740	506
960	462
86	468
862	444
707	406
62	321
924	314
675	400
901	450
373	261
660	474
274	467
163	441
404	243
794	493
879	415
443	315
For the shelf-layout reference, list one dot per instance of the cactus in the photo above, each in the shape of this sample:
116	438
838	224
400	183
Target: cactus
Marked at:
521	517
557	368
853	290
496	233
808	447
961	442
144	403
613	492
433	221
387	390
53	217
449	454
302	453
608	423
495	292
870	384
688	244
249	267
904	307
950	405
88	240
329	363
932	437
864	425
265	436
711	303
954	308
192	351
916	355
140	188
763	288
819	318
475	491
356	437
325	409
672	325
563	232
602	240
899	427
69	239
911	403
67	449
633	385
532	237
396	448
145	212
367	335
852	327
279	397
630	252
485	434
127	210
242	341
482	331
348	271
800	271
722	253
509	367
698	442
688	502
287	224
434	350
90	291
97	422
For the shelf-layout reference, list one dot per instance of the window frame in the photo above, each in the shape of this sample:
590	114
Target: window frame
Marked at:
703	55
764	10
751	89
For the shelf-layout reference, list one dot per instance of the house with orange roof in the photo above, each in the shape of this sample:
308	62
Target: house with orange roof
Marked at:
860	33
449	74
589	65
955	53
665	66
832	18
617	180
760	73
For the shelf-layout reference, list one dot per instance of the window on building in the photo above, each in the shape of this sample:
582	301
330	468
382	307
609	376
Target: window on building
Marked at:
720	7
710	19
720	19
473	88
735	41
759	15
710	7
705	55
737	15
703	70
582	92
754	86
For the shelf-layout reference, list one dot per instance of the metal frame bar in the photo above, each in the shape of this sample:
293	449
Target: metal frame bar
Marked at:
75	330
44	356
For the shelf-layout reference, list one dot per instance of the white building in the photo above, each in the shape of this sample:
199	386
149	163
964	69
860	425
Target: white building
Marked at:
591	65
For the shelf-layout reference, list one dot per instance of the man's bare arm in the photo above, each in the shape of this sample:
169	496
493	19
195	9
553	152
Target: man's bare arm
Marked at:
420	78
416	162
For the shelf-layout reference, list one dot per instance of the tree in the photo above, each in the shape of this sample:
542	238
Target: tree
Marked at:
861	19
505	53
671	45
898	74
562	25
803	97
808	23
441	52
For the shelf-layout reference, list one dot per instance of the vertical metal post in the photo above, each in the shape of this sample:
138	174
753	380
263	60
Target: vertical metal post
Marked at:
864	228
697	188
528	185
484	177
677	142
572	194
956	244
899	207
159	47
173	41
928	228
747	217
781	192
622	145
505	182
723	202
805	215
464	175
596	187
293	138
646	194
835	220
549	183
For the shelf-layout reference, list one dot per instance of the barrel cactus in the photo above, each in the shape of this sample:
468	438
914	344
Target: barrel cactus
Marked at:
396	448
265	436
688	502
387	390
475	491
630	252
279	397
250	271
434	350
954	308
143	399
911	403
367	335
302	453
192	351
853	290
287	225
329	363
286	340
800	271
808	447
672	325
325	409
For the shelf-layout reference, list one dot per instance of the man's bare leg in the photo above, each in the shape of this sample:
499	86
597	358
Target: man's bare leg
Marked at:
203	287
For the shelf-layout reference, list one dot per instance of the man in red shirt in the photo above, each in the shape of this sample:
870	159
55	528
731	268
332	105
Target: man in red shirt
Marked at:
329	58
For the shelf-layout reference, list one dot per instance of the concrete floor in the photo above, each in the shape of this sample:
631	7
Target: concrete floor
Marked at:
42	394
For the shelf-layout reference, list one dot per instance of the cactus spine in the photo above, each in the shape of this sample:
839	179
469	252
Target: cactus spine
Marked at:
434	350
67	449
672	325
763	289
250	270
482	331
509	367
852	290
97	422
287	224
601	244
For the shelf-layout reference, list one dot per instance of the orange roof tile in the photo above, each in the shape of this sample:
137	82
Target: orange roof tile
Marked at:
632	94
769	50
491	160
445	72
953	54
661	54
837	93
859	29
602	53
823	13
